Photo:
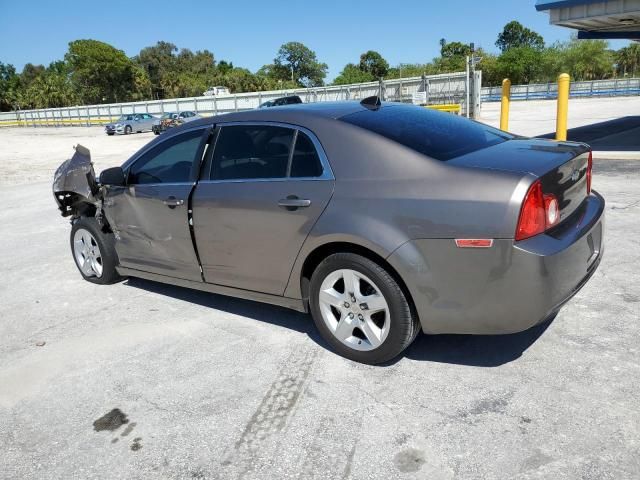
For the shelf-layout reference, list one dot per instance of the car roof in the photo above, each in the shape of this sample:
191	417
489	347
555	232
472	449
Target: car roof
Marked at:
299	114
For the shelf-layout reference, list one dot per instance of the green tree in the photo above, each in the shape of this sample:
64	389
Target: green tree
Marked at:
520	65
100	72
582	59
516	35
30	72
453	57
159	61
50	90
374	64
628	60
298	63
353	74
9	87
454	49
405	70
224	67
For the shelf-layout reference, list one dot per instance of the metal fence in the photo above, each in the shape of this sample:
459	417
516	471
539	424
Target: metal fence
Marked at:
431	90
544	91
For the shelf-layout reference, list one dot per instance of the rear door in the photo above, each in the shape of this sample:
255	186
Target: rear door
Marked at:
149	215
265	187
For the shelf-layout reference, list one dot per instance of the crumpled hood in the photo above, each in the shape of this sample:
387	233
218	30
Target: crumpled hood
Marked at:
76	176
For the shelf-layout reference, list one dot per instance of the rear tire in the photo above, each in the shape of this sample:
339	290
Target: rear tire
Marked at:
374	328
94	252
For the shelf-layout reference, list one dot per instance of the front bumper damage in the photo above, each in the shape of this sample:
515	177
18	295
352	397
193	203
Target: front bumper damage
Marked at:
75	188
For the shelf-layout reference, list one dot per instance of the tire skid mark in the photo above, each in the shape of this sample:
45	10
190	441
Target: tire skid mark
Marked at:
274	410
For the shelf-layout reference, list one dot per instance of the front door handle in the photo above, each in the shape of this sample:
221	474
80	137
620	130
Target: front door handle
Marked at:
173	202
293	203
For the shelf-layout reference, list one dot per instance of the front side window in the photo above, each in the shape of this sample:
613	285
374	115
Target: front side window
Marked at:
169	162
252	152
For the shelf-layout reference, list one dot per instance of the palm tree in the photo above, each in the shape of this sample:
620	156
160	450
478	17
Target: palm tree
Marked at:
628	59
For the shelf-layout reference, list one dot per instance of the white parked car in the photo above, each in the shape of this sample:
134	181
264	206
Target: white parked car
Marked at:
216	92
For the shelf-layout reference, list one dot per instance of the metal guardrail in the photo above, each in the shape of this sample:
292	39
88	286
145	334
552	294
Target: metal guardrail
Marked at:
436	89
547	91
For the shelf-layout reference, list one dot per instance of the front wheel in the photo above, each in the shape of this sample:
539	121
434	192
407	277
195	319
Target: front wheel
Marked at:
127	130
360	309
94	252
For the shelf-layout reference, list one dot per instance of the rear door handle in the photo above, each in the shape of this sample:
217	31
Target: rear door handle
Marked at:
293	203
173	202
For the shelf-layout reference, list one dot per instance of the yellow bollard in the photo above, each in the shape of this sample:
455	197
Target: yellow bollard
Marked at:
504	104
563	106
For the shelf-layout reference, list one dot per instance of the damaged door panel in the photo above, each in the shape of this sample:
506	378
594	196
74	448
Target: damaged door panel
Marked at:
74	184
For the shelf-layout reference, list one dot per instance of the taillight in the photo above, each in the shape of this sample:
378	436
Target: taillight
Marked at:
532	216
551	209
538	213
589	167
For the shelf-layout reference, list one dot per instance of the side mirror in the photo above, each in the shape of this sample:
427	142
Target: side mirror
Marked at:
112	176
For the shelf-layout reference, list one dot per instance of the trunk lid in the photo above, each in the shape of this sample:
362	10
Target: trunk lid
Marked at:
561	166
74	182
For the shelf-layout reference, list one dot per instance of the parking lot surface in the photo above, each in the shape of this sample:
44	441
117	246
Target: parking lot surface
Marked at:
143	380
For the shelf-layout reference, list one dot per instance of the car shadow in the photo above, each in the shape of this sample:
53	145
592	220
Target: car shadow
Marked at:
470	350
475	350
619	134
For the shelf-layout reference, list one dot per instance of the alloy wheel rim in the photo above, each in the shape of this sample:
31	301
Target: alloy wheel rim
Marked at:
354	309
87	253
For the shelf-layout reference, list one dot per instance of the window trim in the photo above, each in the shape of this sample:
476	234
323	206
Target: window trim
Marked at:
193	175
327	172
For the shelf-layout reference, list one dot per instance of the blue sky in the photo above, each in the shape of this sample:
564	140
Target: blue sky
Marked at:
249	32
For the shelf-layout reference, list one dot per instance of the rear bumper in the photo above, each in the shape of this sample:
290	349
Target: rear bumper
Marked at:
506	288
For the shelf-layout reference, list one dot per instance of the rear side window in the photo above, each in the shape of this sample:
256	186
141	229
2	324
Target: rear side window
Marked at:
252	152
442	136
305	161
169	162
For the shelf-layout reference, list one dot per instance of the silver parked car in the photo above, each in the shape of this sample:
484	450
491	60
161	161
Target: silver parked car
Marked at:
173	119
380	219
130	123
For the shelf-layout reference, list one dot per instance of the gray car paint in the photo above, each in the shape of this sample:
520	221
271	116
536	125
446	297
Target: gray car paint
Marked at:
403	207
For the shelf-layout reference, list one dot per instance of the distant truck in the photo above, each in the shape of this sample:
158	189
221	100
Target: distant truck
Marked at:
216	92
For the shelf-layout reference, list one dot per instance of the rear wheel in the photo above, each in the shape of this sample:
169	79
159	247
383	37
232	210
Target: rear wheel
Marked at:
360	309
94	252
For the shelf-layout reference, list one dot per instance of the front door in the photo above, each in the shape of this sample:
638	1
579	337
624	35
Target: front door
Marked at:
255	209
149	215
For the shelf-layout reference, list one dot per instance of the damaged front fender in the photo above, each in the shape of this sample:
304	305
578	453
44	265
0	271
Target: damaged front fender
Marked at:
74	184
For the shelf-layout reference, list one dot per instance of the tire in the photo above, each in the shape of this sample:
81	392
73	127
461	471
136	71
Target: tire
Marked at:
111	134
127	130
87	234
389	330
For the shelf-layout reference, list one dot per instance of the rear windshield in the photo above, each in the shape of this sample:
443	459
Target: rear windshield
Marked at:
442	136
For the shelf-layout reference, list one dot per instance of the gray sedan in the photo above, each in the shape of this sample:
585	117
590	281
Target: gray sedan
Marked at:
380	219
130	123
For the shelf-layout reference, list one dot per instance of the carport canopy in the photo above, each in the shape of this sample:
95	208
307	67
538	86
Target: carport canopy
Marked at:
595	19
